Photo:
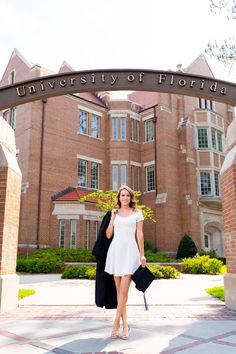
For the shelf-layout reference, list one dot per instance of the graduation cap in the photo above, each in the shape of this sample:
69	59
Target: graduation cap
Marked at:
142	278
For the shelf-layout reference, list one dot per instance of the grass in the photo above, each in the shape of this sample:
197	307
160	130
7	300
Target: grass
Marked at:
217	291
25	292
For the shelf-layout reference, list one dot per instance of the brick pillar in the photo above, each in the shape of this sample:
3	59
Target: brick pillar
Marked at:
10	184
228	189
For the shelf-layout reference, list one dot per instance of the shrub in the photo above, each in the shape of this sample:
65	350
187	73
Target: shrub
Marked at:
165	272
148	246
66	255
217	291
187	248
25	292
79	271
36	265
201	265
159	257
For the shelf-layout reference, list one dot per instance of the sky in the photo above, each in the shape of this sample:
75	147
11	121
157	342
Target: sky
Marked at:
103	34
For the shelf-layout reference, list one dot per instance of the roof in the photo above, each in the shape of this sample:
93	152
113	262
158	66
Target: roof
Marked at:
71	194
144	98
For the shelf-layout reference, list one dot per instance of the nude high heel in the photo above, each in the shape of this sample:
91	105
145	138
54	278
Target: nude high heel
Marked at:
126	331
115	331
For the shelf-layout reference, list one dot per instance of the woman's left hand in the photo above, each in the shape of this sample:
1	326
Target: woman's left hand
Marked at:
143	261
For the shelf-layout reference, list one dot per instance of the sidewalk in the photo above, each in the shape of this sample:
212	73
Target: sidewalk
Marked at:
61	318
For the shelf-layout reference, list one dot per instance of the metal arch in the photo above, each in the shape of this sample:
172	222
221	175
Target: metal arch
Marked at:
117	79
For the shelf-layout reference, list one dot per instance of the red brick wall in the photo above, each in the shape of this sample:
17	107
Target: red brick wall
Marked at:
228	185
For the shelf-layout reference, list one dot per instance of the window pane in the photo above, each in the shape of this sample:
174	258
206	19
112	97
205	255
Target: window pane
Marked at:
82	173
137	132
95	230
114	128
219	141
123	174
13	118
213	138
123	128
73	226
150	178
115	177
83	122
217	183
202	138
205	180
149	136
132	171
6	116
62	233
138	178
94	175
95	126
87	233
132	130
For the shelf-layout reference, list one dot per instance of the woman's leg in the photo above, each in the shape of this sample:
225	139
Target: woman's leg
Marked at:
116	325
123	288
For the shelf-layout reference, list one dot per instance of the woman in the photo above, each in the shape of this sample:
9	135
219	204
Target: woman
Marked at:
124	254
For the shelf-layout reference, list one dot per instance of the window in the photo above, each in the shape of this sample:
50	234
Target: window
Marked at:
205	183
62	233
95	126
123	174
12	77
138	178
95	230
205	104
132	130
122	128
82	173
94	175
132	173
87	232
114	128
13	118
219	141
202	138
73	227
115	177
83	122
217	183
137	131
150	178
207	242
6	116
216	140
149	136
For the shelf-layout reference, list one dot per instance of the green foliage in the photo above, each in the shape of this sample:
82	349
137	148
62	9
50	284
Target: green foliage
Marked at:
106	200
79	271
148	246
37	265
89	272
201	265
163	272
212	254
66	255
187	248
159	257
25	292
217	291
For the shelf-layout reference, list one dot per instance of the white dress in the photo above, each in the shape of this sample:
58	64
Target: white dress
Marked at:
123	256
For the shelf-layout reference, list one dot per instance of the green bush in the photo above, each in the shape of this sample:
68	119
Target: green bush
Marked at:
159	257
36	265
89	272
148	246
201	265
79	271
165	272
187	248
66	255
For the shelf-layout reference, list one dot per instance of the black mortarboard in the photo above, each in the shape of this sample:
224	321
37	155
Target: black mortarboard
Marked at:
142	278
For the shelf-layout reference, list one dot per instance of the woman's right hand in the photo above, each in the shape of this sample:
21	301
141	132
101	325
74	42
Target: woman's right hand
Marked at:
113	213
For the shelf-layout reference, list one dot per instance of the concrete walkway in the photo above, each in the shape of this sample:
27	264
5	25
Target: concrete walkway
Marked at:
61	318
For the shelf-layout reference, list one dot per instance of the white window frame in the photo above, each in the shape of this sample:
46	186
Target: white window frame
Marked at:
62	233
123	174
84	185
83	114
149	130
92	176
123	128
95	133
115	128
87	233
207	131
115	177
147	168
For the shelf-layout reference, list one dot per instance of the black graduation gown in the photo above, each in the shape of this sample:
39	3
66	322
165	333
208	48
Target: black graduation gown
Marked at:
105	289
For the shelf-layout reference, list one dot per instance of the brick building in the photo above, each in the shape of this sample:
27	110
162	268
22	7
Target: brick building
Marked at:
71	145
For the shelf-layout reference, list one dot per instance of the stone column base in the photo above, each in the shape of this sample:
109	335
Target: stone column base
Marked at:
230	291
9	286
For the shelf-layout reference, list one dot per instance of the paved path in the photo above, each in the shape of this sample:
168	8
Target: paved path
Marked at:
61	318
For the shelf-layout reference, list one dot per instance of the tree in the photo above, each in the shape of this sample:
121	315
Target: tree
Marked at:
106	200
187	248
223	51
